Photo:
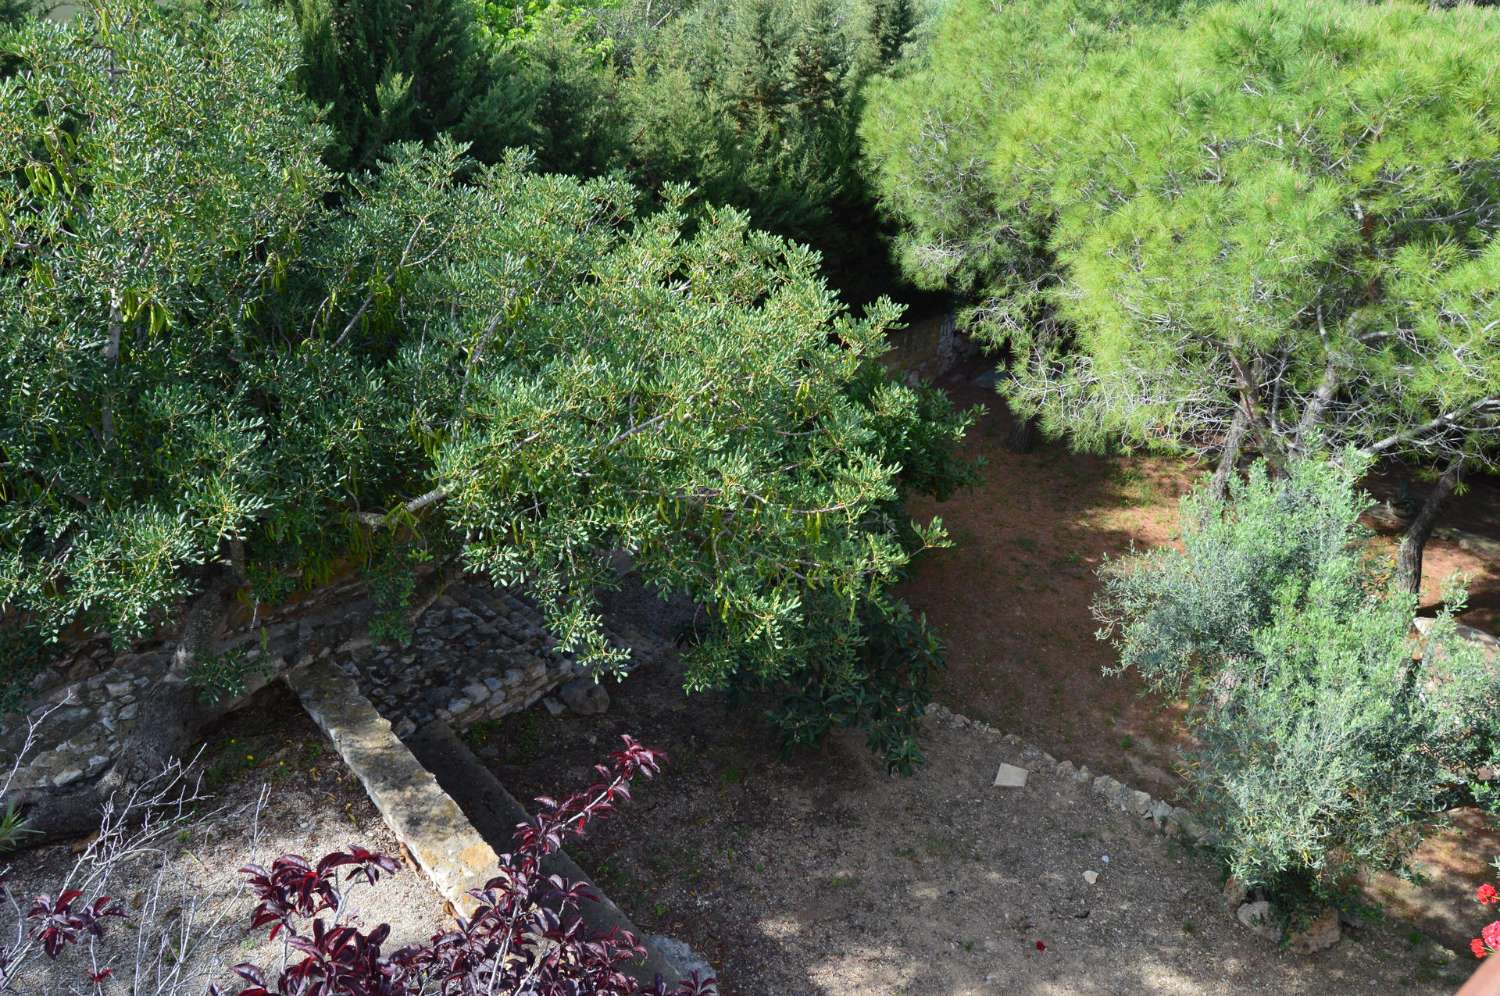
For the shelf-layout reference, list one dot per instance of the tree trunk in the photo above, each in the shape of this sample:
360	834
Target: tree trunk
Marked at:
1229	457
1022	435
1414	543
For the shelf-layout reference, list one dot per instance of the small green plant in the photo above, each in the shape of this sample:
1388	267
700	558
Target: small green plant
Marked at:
12	828
224	676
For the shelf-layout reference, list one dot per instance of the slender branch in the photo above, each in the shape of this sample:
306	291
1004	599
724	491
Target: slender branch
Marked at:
376	520
1442	421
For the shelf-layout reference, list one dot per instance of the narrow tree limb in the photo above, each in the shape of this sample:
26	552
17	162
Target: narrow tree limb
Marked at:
112	358
376	520
1316	406
1414	543
1248	388
1443	421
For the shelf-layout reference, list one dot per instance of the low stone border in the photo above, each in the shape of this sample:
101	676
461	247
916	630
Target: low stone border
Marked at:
1255	914
1160	814
437	832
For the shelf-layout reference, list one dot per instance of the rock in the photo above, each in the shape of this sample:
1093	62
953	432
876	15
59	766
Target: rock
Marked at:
1321	934
477	692
1259	918
1441	953
1161	813
117	688
554	707
584	696
1066	769
67	777
1137	802
1189	825
129	712
683	959
1091	877
1010	776
1234	893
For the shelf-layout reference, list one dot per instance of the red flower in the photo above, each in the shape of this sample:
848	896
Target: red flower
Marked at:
1486	894
1491	935
1042	947
1477	946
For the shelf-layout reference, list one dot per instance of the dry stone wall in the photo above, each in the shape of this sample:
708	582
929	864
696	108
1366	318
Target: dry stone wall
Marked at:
477	652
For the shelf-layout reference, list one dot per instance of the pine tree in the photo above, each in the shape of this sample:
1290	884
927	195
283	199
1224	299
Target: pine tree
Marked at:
13	12
892	24
820	60
393	70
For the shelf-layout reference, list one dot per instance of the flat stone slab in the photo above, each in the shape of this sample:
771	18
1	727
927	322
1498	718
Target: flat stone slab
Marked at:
1011	777
423	817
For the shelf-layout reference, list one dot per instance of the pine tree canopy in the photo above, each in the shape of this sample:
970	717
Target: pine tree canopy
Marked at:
1185	222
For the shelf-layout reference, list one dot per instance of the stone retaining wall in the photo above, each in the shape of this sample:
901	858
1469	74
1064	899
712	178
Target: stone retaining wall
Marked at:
478	652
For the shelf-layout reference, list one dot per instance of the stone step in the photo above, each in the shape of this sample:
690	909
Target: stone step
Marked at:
432	827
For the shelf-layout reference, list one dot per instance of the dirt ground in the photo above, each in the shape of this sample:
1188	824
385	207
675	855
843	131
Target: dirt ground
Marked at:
819	873
314	805
1012	598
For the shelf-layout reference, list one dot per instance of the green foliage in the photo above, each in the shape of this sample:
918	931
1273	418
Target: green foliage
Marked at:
1321	746
569	109
145	229
930	132
13	12
224	676
13	828
512	23
748	102
208	368
880	683
1282	209
393	70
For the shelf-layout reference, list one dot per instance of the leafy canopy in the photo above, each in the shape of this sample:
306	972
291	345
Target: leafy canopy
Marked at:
1170	216
208	369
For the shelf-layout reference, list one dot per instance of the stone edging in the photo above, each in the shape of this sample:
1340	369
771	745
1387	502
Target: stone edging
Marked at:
429	824
436	832
1160	814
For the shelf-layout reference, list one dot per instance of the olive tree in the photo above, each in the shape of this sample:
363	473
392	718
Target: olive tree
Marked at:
1324	741
219	379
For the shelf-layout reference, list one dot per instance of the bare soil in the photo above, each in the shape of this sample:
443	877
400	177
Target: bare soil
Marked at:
314	805
819	873
1011	601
